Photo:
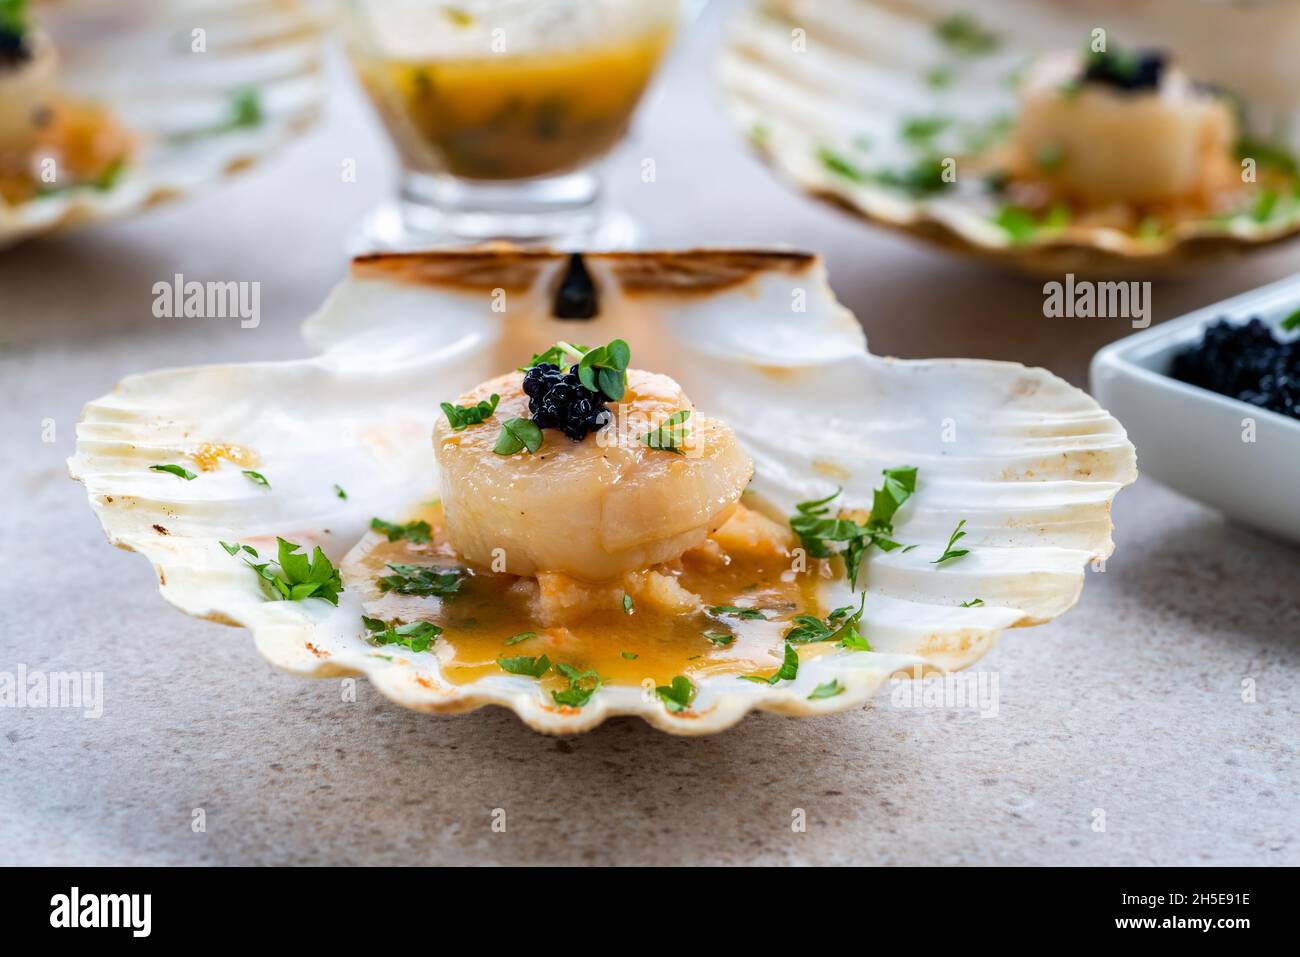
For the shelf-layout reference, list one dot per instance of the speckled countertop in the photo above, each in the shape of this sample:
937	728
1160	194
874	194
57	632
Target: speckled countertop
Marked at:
1131	707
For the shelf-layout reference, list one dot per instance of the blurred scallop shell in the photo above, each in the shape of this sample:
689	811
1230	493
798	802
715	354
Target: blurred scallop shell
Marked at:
755	337
140	60
808	79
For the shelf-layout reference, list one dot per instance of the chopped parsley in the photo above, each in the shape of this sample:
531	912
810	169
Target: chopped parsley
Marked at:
628	607
461	417
179	471
630	655
671	434
561	354
745	614
950	553
338	490
722	638
921	130
517	435
294	577
1292	322
816	530
927	175
523	665
677	695
963	34
972	603
1023	225
522	636
233	548
788	671
604	369
582	685
828	690
840	625
417	531
417	636
257	478
422	580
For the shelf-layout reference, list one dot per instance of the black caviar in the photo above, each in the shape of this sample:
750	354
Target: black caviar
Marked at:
13	48
558	400
1246	362
1130	71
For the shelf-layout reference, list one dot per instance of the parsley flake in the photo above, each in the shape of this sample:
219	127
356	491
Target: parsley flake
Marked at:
422	580
524	665
677	695
416	636
628	607
297	577
178	470
671	435
257	478
517	435
582	685
828	690
745	614
417	531
338	490
522	636
461	417
950	553
788	671
972	603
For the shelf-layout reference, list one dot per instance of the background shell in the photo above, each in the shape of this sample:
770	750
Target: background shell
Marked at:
863	70
137	60
755	338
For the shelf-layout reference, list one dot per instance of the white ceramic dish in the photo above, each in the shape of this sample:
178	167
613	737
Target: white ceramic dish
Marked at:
1240	459
756	338
140	62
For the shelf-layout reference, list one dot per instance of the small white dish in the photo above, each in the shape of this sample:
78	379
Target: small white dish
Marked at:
1237	458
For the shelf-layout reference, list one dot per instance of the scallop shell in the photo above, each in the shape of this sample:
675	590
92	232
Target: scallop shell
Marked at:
136	59
801	76
755	337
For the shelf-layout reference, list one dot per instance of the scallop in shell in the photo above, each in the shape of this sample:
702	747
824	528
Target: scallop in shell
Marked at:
1023	463
192	103
899	112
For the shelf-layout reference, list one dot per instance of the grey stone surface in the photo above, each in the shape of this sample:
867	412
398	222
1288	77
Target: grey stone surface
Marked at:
1131	704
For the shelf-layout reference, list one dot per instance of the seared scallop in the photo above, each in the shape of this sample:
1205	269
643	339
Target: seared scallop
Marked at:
594	508
1103	142
28	86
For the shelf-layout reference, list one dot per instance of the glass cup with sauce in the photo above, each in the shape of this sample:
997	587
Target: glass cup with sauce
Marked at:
500	110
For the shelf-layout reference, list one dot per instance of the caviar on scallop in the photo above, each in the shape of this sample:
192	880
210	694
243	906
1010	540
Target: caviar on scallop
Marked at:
1246	362
1130	72
558	400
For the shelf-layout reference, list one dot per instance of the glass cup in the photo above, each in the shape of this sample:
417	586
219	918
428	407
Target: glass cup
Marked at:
500	110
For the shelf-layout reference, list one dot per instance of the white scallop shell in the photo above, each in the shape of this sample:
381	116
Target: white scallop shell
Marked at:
756	338
137	60
803	75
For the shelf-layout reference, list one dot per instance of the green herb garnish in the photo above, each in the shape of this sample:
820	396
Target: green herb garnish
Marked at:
233	548
677	695
522	636
671	434
245	110
257	478
604	369
417	636
920	130
418	531
13	18
178	470
422	580
816	530
561	354
582	685
628	607
297	577
972	603
1023	225
788	671
745	614
461	417
828	690
963	33
517	435
722	638
1291	322
532	667
950	553
630	655
338	490
840	625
